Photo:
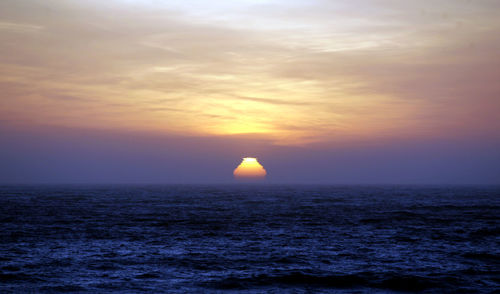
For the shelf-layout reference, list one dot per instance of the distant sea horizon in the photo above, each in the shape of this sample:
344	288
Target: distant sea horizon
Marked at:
249	183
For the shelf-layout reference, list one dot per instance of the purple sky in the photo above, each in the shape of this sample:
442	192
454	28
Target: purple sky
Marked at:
69	156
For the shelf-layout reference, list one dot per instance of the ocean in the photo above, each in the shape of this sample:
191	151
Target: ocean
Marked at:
249	239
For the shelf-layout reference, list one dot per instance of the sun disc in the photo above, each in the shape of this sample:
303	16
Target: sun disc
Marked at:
251	169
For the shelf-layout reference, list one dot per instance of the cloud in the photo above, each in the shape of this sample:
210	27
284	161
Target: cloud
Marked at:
299	72
19	27
273	101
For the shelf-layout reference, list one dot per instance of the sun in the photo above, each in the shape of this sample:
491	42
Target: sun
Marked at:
250	169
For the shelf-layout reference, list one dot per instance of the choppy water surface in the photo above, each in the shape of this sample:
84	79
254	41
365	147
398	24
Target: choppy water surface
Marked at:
283	239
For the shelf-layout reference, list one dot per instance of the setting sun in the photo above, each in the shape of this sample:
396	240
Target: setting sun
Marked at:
250	168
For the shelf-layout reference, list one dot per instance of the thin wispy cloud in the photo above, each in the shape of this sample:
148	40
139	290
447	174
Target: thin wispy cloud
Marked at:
357	69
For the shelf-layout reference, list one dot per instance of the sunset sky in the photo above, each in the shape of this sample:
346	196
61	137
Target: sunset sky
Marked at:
381	91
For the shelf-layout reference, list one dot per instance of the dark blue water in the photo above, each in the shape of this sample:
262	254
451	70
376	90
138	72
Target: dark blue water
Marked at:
281	239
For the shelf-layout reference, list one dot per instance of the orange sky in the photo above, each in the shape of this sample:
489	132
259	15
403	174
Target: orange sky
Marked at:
293	72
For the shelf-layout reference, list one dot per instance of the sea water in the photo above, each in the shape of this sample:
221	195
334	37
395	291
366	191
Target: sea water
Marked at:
249	239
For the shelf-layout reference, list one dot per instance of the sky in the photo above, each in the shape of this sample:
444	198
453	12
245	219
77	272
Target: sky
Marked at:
320	91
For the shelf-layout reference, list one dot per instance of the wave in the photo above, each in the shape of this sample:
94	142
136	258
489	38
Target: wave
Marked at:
393	282
483	256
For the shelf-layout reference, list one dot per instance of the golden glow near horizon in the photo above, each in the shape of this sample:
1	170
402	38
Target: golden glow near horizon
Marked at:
250	168
292	72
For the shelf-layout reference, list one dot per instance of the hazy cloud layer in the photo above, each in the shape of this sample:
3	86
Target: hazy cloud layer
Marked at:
62	155
337	69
